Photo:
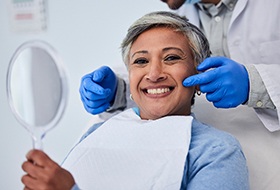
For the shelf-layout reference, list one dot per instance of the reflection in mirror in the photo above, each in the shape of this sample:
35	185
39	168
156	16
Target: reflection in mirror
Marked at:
37	88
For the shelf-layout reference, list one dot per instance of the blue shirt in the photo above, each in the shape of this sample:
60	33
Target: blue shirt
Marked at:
215	160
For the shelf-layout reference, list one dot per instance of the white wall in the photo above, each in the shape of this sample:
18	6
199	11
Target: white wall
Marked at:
87	34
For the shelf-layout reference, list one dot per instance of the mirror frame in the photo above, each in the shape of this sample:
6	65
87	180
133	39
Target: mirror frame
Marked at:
63	79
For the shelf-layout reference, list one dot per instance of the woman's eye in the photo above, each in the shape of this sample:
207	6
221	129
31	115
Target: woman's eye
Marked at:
140	61
172	58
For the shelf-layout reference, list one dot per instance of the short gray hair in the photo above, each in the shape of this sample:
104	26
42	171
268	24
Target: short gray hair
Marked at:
198	43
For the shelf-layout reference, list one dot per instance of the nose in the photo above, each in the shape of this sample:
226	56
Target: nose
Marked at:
156	72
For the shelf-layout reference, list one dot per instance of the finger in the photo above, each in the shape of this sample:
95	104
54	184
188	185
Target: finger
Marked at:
224	104
32	169
211	86
87	76
98	110
201	78
85	101
39	158
29	182
94	93
222	99
100	73
93	103
94	88
210	62
214	96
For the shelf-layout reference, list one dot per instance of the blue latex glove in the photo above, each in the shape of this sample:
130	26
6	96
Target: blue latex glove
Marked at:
226	84
98	89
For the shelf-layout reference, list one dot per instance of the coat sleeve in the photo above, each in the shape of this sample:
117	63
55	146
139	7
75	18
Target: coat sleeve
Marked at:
247	45
270	76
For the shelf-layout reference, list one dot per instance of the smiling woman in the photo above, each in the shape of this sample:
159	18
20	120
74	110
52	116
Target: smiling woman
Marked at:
160	59
167	51
159	144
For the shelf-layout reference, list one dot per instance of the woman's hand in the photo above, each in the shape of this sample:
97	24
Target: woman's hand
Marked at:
44	173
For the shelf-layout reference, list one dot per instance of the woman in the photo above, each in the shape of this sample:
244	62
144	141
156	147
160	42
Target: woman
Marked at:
160	50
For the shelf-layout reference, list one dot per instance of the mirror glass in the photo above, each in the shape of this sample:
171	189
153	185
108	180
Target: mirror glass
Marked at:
36	88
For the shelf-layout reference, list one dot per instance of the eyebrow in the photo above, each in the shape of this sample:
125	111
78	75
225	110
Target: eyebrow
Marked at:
139	52
173	48
164	50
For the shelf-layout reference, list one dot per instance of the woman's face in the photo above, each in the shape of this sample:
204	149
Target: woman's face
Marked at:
159	60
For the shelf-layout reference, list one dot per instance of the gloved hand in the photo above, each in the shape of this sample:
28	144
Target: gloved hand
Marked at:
226	84
98	89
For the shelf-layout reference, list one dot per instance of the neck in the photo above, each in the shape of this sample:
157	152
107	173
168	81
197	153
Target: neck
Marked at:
211	1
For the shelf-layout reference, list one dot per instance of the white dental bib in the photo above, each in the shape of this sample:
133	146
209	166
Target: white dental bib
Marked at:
128	153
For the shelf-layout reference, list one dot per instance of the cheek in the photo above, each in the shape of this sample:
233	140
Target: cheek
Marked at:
131	82
134	80
186	95
188	91
182	73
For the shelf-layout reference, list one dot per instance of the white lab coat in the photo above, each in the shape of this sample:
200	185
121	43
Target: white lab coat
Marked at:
254	38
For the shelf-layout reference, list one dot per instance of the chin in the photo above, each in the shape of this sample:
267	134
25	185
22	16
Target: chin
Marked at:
154	115
175	5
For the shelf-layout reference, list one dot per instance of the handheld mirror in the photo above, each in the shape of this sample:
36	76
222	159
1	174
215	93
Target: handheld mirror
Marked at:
37	88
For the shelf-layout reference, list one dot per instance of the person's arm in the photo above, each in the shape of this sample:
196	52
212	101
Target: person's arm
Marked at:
258	95
43	173
119	101
269	74
228	84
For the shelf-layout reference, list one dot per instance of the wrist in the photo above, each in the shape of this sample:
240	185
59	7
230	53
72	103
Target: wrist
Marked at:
119	100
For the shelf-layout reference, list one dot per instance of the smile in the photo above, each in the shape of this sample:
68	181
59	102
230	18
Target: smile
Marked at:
158	90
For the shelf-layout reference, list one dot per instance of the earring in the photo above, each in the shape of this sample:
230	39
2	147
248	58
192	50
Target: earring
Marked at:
130	96
198	92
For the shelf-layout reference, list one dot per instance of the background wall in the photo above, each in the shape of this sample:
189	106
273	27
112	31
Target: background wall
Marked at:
86	34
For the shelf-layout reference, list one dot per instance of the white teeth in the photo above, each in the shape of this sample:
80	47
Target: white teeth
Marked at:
158	90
